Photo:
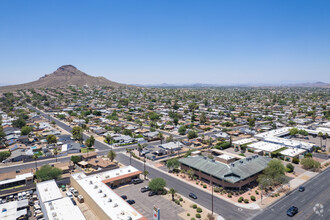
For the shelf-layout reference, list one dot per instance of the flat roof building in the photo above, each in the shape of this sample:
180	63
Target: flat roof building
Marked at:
54	205
105	203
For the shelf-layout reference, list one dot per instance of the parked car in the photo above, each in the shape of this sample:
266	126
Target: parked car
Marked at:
69	194
152	193
301	189
74	202
75	193
192	195
71	189
292	211
124	197
130	201
145	189
137	181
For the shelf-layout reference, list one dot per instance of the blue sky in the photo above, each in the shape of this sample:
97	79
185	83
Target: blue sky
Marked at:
186	41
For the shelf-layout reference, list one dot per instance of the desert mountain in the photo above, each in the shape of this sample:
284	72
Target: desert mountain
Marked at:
64	76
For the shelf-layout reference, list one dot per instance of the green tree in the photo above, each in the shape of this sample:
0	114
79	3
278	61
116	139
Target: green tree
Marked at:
251	122
157	184
145	173
273	175
172	163
161	137
112	155
290	167
75	159
182	130
51	139
4	155
19	123
202	118
77	133
320	134
47	172
293	131
108	139
35	157
172	191
192	134
56	151
310	164
190	173
26	130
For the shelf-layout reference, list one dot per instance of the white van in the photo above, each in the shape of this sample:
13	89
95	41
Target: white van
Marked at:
69	194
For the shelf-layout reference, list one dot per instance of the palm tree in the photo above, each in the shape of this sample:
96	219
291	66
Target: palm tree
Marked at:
112	155
35	157
326	137
145	173
55	152
320	134
172	192
161	137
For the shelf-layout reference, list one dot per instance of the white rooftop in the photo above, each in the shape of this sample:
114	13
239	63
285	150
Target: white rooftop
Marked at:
17	178
292	152
265	146
48	191
63	209
111	203
245	141
8	211
272	133
225	157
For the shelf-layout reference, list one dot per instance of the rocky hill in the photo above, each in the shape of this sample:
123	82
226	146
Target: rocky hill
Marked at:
64	76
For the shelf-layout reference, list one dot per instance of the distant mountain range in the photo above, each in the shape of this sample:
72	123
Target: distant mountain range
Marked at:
64	76
205	85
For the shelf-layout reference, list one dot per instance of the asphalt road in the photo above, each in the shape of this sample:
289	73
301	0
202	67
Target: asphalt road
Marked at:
221	207
316	194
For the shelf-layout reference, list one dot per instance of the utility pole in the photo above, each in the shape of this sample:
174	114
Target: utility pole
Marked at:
144	168
130	157
212	198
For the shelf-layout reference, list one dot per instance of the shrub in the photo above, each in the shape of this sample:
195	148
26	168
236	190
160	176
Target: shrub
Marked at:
198	215
253	198
230	195
199	210
290	167
192	219
246	201
188	214
295	160
181	199
240	199
310	164
216	189
204	186
194	206
257	192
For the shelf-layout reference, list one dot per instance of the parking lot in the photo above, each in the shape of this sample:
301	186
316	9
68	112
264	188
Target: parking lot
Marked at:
144	204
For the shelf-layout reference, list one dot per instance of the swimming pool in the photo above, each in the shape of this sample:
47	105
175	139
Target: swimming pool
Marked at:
33	147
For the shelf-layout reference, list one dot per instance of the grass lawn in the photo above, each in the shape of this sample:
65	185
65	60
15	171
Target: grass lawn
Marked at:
84	150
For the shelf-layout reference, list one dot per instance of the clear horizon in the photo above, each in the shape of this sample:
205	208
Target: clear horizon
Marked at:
173	42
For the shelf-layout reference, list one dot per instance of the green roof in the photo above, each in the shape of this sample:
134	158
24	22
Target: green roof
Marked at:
233	172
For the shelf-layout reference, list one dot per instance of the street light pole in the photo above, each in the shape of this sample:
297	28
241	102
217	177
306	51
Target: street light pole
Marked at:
130	157
212	198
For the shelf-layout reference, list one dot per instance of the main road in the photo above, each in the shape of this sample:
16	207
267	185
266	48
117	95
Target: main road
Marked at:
221	207
312	204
